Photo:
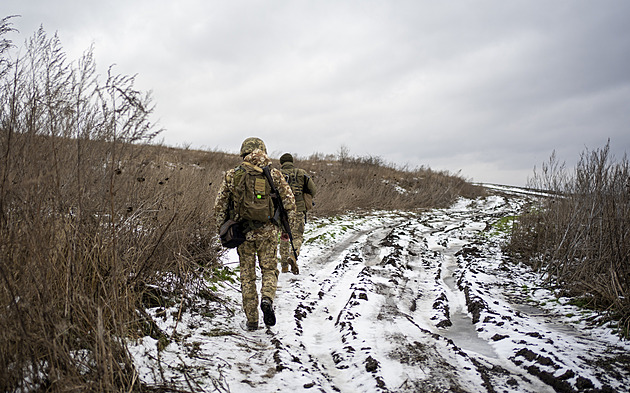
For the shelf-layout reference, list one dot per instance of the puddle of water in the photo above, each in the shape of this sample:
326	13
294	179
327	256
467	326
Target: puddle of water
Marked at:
462	331
464	335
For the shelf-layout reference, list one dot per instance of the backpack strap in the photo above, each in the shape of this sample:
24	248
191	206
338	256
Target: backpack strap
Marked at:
252	166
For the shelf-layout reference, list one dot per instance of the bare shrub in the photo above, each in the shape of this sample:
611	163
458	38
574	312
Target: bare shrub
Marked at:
90	217
580	237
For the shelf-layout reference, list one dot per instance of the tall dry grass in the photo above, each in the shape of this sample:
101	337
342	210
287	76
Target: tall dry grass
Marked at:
89	216
347	183
94	219
581	237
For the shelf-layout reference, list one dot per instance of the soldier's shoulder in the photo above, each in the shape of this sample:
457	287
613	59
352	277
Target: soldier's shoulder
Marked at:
228	175
276	172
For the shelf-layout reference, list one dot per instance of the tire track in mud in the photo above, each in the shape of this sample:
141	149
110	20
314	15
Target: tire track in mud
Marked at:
405	302
368	306
334	284
339	348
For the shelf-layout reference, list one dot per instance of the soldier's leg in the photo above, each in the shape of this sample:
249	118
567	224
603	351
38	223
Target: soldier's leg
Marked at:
247	260
285	252
298	238
267	259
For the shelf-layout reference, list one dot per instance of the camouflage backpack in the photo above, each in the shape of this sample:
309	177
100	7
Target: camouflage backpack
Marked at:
251	197
297	179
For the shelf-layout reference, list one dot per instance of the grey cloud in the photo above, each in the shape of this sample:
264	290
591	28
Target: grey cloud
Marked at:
489	87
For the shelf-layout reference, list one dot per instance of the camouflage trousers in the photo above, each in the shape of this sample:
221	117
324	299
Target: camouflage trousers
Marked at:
266	250
298	237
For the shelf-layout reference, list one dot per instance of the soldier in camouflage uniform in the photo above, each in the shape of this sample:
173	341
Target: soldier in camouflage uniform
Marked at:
261	239
302	185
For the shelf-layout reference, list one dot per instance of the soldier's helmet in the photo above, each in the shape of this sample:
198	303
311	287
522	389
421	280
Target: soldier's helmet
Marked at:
251	144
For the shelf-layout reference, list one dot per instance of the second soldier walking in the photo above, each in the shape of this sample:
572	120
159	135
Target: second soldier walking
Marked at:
304	190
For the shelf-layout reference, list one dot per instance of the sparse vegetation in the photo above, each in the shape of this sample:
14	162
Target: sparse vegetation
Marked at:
351	183
580	236
94	220
502	227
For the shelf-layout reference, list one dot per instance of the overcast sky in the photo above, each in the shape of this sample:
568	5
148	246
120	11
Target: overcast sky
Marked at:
486	87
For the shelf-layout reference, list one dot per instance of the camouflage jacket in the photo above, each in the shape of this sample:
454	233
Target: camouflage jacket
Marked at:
222	202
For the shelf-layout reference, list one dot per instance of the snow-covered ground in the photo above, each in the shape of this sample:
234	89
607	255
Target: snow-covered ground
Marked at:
394	302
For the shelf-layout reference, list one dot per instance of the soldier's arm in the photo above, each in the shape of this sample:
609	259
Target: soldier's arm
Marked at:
310	185
221	204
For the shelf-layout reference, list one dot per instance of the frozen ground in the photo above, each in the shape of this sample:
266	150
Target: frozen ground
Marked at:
394	302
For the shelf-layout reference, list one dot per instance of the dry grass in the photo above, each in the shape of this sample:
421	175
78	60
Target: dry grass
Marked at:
581	237
89	216
354	183
93	217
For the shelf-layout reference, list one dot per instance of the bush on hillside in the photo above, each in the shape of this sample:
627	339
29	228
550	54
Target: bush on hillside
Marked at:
580	237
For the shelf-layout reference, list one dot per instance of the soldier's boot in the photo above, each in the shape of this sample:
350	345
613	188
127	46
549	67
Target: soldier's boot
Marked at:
266	305
285	267
252	325
294	266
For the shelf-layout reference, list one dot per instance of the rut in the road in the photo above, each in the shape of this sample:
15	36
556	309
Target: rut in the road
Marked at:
361	320
391	302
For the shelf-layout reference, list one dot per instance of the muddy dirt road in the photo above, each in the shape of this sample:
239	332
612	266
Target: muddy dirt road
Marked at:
395	302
